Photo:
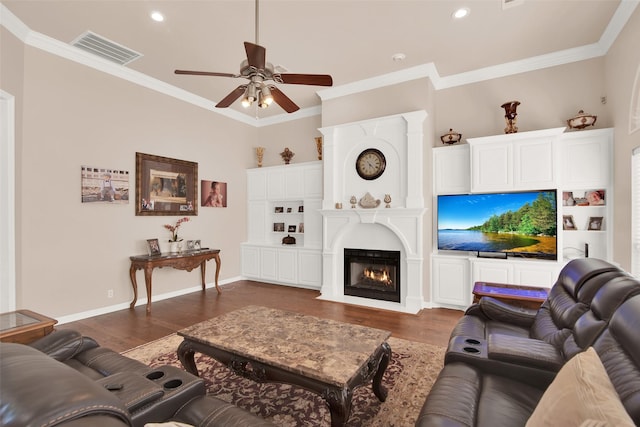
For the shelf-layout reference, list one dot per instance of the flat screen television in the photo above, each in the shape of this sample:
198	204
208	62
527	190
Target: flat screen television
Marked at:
518	224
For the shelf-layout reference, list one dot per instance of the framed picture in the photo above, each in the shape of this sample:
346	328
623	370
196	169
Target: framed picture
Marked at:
292	229
196	245
166	186
191	245
301	228
595	223
278	226
153	247
279	209
288	210
104	185
567	198
213	194
595	197
301	208
568	222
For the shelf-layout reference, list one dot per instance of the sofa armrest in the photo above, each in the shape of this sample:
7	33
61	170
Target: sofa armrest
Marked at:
500	311
524	352
217	412
64	344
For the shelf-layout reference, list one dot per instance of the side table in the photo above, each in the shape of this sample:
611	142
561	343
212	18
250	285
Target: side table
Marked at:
520	296
24	326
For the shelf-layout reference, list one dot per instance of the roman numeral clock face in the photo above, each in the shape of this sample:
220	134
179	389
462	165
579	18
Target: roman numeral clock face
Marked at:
370	164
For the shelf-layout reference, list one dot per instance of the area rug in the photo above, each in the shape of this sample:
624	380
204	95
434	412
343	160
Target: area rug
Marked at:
412	371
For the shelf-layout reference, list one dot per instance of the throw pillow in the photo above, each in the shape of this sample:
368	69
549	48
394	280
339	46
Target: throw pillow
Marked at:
581	392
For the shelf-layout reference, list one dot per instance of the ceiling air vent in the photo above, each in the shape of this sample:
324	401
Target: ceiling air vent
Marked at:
105	48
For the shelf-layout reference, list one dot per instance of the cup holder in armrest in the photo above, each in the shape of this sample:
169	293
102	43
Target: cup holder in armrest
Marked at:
472	341
155	375
169	385
471	350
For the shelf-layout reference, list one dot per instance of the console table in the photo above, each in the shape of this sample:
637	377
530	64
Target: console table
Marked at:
187	260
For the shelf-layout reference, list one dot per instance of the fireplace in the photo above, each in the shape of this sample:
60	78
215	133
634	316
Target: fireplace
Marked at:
372	274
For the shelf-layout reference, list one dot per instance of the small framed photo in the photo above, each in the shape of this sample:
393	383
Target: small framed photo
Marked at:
279	209
292	229
288	210
595	223
153	247
191	245
278	226
567	198
301	228
301	208
196	245
595	197
568	222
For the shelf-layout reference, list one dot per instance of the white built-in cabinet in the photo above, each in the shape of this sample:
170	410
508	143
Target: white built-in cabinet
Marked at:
284	201
571	162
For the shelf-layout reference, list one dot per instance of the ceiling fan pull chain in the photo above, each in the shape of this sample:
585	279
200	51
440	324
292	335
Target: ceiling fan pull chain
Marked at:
257	20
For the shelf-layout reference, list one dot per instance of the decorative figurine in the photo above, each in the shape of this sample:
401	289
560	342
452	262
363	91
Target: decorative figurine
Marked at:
510	116
368	202
260	154
451	137
387	200
287	155
353	202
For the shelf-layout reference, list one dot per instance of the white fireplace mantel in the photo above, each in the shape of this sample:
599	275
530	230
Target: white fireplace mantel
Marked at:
399	227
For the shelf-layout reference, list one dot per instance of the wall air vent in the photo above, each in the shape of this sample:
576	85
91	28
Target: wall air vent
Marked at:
506	4
105	48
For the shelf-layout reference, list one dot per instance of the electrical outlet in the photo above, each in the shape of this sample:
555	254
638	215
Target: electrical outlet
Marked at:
110	293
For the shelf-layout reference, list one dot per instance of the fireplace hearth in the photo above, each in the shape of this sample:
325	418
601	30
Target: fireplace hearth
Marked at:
372	274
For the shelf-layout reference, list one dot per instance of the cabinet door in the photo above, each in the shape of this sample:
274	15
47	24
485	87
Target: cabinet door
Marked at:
310	268
451	284
287	265
269	263
256	185
491	167
275	184
586	159
312	223
536	274
534	164
451	169
313	182
294	183
498	271
251	261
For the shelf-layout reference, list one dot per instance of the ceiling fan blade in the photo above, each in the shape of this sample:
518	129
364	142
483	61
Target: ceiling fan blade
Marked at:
256	55
304	79
283	100
230	99
205	73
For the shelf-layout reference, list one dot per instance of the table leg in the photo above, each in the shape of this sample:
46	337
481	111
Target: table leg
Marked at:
134	283
147	280
185	355
339	401
203	270
376	385
217	258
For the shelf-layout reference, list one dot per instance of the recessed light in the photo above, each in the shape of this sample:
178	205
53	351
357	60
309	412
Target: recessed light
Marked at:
157	16
398	57
461	13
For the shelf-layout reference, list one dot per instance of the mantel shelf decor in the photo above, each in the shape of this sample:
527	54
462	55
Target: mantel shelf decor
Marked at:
368	202
510	115
451	137
582	120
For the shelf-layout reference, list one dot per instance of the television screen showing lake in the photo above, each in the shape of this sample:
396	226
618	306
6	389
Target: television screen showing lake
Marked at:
521	222
470	240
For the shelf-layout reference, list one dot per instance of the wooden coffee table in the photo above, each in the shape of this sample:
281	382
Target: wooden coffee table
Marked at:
522	296
24	326
267	345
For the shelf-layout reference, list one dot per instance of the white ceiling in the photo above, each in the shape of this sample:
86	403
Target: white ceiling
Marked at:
353	40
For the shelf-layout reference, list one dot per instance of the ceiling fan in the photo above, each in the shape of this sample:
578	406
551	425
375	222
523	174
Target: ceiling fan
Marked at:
260	73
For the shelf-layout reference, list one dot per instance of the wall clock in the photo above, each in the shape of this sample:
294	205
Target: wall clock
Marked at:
370	164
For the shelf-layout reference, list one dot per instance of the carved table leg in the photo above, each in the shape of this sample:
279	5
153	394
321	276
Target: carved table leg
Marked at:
376	385
217	258
203	270
134	283
147	280
339	401
185	355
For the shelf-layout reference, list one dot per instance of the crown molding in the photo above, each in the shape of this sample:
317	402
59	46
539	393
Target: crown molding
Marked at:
429	70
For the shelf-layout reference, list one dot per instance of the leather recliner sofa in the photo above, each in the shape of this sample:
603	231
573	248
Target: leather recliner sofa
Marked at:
65	379
501	359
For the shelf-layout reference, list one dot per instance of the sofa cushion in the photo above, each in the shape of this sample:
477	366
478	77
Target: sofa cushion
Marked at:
581	391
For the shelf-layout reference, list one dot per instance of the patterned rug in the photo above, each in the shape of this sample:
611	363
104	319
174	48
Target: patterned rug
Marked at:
411	373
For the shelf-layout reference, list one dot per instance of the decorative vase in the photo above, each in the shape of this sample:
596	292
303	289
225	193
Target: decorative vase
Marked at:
287	155
387	200
174	247
582	120
319	147
510	115
260	154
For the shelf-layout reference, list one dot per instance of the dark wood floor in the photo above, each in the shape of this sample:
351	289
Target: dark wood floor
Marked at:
125	329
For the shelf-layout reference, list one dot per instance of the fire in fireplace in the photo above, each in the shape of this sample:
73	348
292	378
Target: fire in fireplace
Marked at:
372	274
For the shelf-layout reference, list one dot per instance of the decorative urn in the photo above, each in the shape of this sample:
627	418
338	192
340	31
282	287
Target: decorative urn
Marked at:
582	120
451	137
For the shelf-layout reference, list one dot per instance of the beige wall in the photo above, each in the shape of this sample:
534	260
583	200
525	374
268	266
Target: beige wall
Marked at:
69	254
621	64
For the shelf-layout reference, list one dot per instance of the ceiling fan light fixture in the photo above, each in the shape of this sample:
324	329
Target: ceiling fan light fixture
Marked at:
265	97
